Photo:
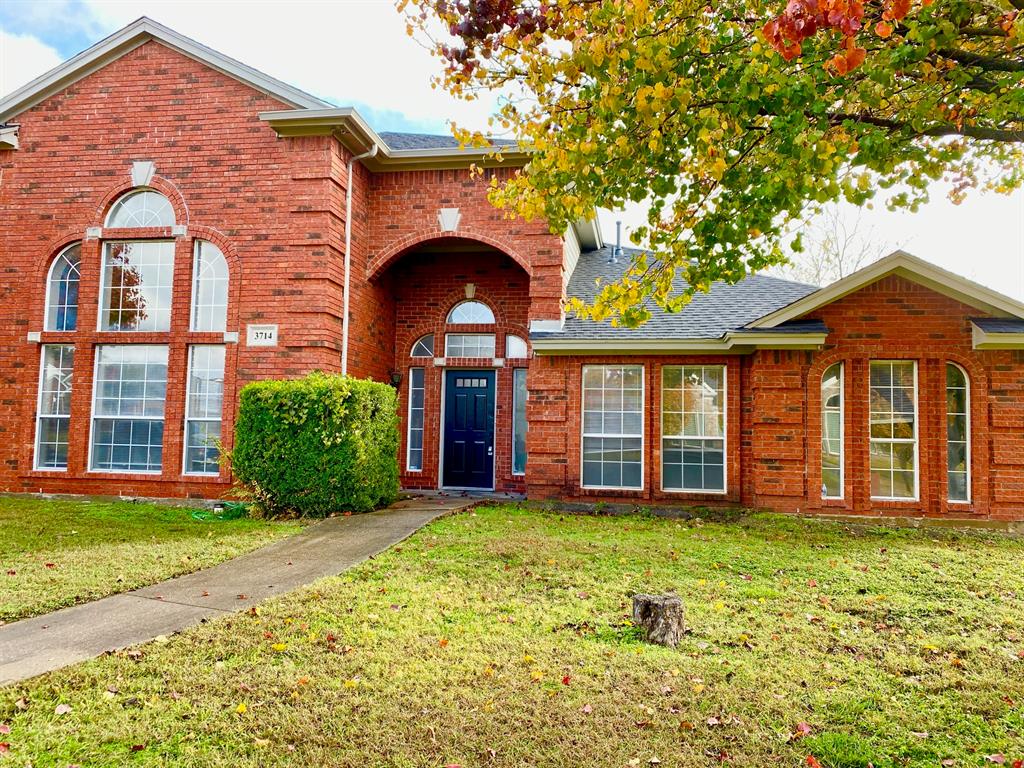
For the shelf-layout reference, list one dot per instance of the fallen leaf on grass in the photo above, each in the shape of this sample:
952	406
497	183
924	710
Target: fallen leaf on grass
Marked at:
241	709
4	728
138	747
998	758
587	709
566	680
443	642
802	729
62	709
4	747
812	761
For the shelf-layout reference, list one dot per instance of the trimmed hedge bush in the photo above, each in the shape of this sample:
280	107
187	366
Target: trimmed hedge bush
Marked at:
318	445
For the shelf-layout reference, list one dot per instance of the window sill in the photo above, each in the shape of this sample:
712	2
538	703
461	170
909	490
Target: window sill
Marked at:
146	477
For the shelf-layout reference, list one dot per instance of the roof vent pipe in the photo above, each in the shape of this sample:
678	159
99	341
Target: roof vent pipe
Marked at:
348	255
617	250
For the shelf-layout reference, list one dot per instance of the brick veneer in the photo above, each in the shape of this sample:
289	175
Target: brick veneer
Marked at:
773	416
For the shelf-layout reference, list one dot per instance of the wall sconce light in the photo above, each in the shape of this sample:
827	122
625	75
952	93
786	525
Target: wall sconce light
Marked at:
396	379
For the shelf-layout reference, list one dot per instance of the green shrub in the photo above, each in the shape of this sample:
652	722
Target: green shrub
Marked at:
317	445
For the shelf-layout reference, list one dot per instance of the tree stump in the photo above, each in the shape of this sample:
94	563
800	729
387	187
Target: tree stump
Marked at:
661	617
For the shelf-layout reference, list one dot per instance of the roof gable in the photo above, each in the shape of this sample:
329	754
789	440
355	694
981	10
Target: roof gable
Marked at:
909	267
128	39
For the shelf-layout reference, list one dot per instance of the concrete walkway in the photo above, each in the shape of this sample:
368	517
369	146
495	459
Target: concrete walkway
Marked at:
44	643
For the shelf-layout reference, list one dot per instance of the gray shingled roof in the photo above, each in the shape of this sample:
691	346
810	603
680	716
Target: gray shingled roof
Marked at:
429	141
999	324
708	316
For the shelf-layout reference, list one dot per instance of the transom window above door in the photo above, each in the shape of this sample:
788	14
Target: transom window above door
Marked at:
474	312
469	345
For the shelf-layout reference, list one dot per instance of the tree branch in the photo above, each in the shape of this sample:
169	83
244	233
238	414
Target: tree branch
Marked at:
971	131
988	63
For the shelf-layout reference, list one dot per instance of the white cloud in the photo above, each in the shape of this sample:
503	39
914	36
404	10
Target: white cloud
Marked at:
22	59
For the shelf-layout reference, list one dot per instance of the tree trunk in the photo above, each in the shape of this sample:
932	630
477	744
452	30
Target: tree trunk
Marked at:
661	617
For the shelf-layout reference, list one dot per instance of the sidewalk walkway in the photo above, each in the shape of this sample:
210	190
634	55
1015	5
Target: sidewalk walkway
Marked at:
44	643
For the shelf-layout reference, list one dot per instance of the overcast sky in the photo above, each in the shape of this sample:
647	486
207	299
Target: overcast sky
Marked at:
356	53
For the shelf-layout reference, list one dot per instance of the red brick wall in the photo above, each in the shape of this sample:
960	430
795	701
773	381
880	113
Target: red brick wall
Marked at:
774	419
270	204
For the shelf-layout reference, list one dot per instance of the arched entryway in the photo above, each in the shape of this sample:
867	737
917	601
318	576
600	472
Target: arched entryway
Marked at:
461	355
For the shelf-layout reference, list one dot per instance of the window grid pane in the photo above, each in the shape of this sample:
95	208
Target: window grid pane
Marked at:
204	405
144	208
424	346
832	429
128	408
471	312
414	457
893	426
519	425
53	419
515	347
693	428
958	448
62	292
613	426
469	345
209	288
137	286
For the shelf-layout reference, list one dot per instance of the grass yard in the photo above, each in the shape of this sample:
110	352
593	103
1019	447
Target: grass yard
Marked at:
55	552
500	638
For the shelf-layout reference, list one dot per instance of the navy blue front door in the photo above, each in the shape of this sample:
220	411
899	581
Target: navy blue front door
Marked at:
469	429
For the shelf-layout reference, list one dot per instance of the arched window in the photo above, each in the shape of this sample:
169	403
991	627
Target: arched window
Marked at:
515	347
471	312
209	288
832	432
142	208
424	346
958	434
62	291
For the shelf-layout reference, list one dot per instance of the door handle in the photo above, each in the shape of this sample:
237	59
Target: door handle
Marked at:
490	450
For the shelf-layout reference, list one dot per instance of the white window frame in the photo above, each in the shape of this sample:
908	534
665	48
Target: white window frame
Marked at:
197	283
421	341
93	417
510	339
119	203
60	257
188	419
917	436
842	430
967	436
408	425
448	353
103	286
515	373
643	427
724	438
475	302
39	407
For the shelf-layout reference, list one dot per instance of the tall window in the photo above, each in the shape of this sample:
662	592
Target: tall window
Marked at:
958	433
471	312
693	428
414	451
832	428
62	290
613	426
893	421
204	406
141	208
128	408
54	408
209	288
519	395
136	288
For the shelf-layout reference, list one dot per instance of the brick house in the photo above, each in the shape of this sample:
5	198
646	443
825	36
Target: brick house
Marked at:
174	224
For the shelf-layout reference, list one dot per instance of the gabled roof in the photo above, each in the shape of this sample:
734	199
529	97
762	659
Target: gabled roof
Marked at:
715	320
131	37
904	265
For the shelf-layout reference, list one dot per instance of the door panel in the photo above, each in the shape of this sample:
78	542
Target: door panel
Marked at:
469	429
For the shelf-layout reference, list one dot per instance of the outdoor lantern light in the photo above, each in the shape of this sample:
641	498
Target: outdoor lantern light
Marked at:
396	379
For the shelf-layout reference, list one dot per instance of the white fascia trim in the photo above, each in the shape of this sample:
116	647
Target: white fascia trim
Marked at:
588	232
982	339
358	136
127	39
910	267
546	326
731	343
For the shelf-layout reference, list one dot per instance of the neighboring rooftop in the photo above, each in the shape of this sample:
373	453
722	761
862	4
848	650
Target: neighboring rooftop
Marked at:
726	308
399	141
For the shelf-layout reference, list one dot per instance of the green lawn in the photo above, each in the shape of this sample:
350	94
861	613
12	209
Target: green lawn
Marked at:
55	553
500	638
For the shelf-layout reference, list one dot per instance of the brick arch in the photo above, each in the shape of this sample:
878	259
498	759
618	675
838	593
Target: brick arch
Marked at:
379	264
159	184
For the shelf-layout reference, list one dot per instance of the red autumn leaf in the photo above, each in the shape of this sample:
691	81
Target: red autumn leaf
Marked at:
12	572
812	762
802	729
1018	764
883	29
4	747
138	747
565	680
50	565
443	642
